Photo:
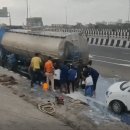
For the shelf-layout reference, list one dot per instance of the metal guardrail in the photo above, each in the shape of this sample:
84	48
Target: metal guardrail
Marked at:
95	32
38	34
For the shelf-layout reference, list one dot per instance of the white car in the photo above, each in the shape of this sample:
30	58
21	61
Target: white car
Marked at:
118	97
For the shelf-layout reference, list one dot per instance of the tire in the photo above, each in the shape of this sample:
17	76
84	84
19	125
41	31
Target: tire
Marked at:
117	107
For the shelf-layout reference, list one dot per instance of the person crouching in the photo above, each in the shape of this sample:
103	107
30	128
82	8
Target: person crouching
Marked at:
89	85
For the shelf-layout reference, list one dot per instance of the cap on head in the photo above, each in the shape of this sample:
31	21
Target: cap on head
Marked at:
37	54
90	62
49	58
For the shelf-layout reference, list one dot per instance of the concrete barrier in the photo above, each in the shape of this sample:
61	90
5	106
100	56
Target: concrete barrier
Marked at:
119	38
111	42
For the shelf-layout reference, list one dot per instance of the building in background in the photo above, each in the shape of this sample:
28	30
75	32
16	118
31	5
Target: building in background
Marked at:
34	23
4	12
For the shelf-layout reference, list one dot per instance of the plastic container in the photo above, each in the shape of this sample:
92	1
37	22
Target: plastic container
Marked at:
45	87
35	86
89	91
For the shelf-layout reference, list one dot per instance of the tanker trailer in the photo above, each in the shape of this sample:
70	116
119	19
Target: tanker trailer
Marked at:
21	47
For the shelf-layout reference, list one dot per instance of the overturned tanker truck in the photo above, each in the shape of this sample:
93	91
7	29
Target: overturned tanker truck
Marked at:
17	48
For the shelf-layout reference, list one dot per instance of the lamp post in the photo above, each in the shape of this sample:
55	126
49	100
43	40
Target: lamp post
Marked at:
129	12
27	9
9	18
66	18
27	14
66	12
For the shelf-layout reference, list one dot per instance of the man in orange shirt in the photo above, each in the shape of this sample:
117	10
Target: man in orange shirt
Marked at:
49	72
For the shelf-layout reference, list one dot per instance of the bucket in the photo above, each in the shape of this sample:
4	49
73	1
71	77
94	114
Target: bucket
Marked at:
35	86
45	87
89	90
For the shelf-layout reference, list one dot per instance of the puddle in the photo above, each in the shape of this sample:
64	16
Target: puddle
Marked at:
99	111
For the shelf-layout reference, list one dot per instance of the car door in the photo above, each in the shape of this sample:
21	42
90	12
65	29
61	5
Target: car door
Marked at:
128	99
125	87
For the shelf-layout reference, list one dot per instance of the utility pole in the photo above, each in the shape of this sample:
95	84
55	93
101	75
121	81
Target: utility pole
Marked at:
27	13
66	18
129	20
9	19
129	12
27	8
66	12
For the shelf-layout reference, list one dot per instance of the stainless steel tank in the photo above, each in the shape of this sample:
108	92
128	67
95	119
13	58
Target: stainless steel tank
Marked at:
56	47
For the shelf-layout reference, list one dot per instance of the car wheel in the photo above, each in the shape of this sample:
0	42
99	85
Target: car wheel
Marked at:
117	107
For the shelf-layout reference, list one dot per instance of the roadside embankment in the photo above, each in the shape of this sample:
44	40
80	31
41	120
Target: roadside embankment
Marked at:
74	113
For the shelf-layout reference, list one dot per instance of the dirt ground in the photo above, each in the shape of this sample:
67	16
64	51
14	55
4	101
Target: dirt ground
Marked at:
74	113
17	114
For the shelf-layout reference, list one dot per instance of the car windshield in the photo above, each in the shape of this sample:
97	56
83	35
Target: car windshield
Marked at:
124	86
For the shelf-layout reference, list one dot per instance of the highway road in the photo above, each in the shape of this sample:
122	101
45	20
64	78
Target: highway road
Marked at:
111	62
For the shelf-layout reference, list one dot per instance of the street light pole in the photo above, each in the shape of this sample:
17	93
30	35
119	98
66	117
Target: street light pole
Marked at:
129	12
27	9
9	19
66	12
66	15
27	14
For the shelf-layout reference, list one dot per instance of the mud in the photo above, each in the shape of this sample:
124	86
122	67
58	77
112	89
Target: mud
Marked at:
7	80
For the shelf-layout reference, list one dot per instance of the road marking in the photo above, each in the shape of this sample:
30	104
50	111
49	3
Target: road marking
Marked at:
110	58
125	65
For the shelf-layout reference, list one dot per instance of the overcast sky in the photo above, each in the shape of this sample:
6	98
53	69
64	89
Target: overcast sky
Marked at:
54	11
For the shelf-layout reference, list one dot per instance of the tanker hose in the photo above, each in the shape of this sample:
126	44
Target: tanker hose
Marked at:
48	108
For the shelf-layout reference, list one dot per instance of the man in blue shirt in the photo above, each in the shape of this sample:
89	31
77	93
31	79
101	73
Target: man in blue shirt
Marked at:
63	76
72	75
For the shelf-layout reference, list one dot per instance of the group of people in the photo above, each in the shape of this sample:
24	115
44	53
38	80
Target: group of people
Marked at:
59	75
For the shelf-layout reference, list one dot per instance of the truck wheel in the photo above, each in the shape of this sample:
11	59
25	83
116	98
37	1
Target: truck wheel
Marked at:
117	107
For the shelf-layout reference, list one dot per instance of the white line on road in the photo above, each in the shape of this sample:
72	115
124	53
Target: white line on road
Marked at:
125	65
109	58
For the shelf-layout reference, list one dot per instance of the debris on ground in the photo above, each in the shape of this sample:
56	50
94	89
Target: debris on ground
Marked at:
7	80
59	99
22	95
48	108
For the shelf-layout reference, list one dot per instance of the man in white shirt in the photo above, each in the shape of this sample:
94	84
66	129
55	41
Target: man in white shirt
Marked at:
57	72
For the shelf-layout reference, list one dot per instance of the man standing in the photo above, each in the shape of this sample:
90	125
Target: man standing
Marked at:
57	72
64	77
35	67
49	72
72	75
